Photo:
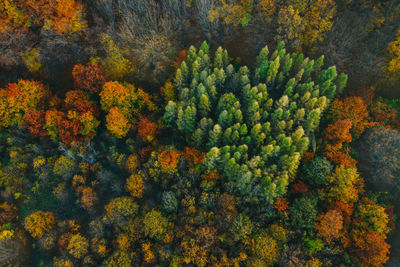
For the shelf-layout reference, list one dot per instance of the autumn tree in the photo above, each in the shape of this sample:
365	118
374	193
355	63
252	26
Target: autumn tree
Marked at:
372	216
61	17
64	166
32	60
120	209
394	51
154	224
336	134
88	197
78	246
124	104
117	123
23	23
353	109
281	204
290	26
35	120
132	163
339	132
343	184
18	98
264	250
39	222
89	78
147	252
169	160
384	114
318	19
299	23
329	225
147	130
74	120
370	247
62	262
135	185
115	62
66	16
232	12
120	258
168	90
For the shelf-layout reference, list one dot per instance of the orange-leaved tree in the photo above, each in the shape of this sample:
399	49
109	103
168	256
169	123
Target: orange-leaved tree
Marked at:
339	132
147	130
369	247
169	160
76	121
117	123
354	109
329	225
18	98
90	77
126	103
59	16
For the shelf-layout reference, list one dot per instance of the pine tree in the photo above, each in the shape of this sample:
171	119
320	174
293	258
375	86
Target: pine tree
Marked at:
273	109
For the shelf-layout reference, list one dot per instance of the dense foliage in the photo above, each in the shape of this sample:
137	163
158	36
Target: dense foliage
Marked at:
128	140
255	125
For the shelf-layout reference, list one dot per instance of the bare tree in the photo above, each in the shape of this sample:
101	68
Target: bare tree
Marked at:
12	252
149	33
213	30
379	158
178	12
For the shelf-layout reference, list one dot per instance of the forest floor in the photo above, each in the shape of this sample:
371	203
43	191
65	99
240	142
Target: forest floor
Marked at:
394	242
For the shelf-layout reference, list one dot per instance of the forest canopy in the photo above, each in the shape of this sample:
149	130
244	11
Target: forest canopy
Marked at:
199	133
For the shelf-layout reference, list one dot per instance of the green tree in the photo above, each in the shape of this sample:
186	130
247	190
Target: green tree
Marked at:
220	105
169	202
303	212
154	224
316	171
64	167
241	228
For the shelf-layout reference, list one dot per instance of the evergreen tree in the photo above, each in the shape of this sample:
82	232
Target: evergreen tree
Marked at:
273	109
